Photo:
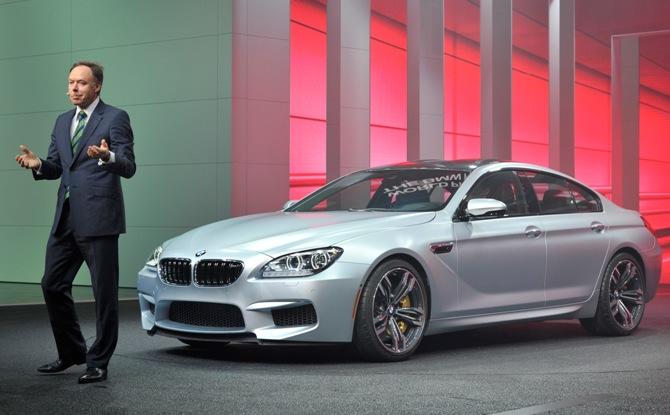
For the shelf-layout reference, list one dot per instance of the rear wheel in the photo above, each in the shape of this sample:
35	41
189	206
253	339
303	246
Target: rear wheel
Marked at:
392	315
200	344
621	302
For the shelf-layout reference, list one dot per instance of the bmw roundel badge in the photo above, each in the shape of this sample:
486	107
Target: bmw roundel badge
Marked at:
201	253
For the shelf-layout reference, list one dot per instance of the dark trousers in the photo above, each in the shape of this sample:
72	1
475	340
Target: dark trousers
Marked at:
65	254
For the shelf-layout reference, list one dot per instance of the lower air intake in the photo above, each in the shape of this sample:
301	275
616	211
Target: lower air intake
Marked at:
303	315
206	314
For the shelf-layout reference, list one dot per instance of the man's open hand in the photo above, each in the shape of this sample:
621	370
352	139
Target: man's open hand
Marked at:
27	159
101	152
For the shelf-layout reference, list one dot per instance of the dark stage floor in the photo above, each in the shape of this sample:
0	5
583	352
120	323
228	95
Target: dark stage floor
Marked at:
525	368
13	293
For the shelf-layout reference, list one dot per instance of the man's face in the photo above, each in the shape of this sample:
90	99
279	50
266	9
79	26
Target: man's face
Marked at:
82	87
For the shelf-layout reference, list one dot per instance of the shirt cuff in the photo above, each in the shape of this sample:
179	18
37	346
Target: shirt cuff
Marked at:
112	159
38	170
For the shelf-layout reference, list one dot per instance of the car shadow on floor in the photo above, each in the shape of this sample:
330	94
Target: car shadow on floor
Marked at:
322	354
549	334
505	335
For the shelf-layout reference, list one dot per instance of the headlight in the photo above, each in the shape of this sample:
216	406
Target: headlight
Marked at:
301	264
153	259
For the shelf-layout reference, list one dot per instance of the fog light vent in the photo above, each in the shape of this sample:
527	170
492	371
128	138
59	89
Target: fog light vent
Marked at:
303	315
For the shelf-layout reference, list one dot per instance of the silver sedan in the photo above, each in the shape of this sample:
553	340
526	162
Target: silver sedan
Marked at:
382	257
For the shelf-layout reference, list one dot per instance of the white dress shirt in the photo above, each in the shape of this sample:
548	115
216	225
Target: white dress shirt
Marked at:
88	110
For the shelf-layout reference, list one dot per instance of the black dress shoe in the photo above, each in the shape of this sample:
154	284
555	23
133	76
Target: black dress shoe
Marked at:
93	374
58	366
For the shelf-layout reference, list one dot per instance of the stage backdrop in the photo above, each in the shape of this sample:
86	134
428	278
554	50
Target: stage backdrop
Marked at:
167	64
530	97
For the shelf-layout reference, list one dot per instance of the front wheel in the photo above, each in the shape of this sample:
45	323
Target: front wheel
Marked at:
622	298
392	313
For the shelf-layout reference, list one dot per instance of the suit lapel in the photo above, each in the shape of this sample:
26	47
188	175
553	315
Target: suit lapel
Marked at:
91	125
64	136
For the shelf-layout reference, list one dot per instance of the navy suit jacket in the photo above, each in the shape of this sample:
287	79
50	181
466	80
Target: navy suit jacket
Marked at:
96	199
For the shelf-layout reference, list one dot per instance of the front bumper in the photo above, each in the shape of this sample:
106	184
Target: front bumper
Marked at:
332	293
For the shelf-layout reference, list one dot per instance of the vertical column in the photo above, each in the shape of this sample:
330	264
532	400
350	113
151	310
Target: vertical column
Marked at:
260	105
425	79
562	85
625	92
348	87
496	78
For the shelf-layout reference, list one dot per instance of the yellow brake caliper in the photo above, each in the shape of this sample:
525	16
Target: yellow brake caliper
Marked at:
405	302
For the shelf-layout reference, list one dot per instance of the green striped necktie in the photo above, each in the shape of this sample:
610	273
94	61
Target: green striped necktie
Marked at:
79	131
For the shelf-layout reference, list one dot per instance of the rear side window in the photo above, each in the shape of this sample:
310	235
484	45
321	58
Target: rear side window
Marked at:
556	195
585	200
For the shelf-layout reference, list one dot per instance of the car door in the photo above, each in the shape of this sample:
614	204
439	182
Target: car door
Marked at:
501	260
576	235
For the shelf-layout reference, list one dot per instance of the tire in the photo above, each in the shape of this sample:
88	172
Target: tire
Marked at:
621	301
200	344
392	313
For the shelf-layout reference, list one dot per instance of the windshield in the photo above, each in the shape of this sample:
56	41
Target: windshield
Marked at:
408	190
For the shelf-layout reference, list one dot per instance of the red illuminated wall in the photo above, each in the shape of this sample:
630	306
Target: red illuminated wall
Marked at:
308	97
461	97
388	85
530	92
655	169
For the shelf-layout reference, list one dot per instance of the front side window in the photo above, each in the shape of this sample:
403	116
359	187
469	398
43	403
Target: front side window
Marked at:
387	190
503	186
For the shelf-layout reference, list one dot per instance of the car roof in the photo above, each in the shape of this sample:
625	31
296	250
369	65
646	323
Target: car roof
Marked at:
461	164
469	165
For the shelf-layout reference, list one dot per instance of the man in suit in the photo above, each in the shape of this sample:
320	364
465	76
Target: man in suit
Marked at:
91	149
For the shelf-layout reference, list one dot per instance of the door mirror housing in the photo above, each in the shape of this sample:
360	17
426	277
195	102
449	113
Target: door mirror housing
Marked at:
485	207
288	204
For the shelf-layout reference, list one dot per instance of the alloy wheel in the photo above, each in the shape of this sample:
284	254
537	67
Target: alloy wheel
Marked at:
399	310
626	295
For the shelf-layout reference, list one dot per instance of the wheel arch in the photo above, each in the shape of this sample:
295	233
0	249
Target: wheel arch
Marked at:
589	306
635	254
601	320
632	251
405	256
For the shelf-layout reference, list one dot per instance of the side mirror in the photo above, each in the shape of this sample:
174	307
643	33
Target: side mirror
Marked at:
482	207
288	204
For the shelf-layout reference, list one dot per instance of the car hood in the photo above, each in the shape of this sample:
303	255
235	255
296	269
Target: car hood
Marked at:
278	233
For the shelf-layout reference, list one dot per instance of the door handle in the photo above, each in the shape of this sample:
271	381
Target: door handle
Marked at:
597	227
533	232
